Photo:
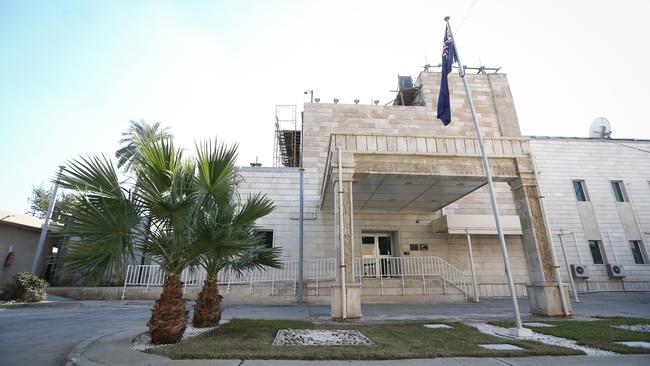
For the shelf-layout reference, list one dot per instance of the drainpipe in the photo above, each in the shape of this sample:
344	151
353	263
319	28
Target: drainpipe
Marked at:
344	301
556	267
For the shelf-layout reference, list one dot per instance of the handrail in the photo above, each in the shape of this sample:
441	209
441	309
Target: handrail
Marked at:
412	267
152	275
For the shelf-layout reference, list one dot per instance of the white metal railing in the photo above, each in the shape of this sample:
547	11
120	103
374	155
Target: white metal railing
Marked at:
413	267
152	275
146	276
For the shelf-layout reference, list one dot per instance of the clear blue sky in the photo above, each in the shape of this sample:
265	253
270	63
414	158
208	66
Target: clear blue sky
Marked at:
73	73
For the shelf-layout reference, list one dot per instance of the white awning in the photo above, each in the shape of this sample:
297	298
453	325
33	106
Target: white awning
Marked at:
476	224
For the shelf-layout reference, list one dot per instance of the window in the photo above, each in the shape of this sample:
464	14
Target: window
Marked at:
617	187
596	254
637	253
579	188
267	236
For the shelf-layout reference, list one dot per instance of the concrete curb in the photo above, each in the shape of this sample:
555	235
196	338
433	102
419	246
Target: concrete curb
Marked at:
44	304
74	357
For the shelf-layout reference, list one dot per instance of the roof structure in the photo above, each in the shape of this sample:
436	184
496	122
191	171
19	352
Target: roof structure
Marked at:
25	221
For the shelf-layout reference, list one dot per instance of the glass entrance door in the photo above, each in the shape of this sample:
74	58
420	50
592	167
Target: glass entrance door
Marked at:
377	253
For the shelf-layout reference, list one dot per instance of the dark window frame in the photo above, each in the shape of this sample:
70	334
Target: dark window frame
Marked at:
619	190
596	257
636	246
269	240
580	190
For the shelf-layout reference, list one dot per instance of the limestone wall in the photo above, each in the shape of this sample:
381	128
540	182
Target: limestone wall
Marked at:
282	184
597	163
492	100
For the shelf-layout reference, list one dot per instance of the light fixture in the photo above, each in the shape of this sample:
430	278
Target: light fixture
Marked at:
311	93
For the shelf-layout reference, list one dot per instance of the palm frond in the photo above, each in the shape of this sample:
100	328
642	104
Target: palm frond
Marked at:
128	155
103	222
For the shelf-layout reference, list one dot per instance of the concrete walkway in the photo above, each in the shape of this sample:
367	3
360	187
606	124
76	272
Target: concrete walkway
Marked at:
44	335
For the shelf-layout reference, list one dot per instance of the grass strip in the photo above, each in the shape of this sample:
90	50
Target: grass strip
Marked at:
252	339
597	333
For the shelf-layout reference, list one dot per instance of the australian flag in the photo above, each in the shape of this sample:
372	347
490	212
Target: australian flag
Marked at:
448	58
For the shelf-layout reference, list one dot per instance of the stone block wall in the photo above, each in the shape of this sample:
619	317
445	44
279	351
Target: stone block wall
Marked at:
492	99
597	162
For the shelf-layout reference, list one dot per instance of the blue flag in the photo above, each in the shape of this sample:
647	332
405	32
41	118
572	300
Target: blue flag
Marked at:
448	58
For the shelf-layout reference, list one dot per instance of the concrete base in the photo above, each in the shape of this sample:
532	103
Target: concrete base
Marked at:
544	299
353	299
520	332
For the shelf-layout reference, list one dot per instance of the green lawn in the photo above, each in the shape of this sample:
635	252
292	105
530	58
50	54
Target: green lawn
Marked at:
252	339
597	333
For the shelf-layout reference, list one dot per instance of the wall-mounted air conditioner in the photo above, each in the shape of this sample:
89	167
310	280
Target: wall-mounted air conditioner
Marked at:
615	270
579	271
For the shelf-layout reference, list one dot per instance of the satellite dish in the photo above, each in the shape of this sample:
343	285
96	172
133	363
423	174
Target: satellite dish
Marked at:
600	128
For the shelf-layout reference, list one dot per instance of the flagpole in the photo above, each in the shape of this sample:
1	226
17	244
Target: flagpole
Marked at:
488	175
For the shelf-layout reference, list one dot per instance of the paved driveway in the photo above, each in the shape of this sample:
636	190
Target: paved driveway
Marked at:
45	335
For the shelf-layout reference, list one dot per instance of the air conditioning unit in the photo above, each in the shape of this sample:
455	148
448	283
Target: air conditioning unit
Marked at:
615	270
579	271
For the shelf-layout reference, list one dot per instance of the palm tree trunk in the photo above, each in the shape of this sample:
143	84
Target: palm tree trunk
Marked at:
207	311
169	317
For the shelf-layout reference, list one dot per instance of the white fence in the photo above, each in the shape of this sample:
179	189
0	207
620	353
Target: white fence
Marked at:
146	276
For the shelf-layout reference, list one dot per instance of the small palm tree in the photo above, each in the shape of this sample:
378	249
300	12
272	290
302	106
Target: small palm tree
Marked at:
227	241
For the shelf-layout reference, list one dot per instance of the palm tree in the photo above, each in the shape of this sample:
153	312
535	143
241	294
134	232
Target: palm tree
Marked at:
107	223
139	131
188	222
227	241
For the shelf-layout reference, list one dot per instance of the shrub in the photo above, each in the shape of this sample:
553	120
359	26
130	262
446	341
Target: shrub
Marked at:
25	287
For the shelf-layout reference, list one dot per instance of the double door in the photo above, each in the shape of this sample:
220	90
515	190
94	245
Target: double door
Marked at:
377	255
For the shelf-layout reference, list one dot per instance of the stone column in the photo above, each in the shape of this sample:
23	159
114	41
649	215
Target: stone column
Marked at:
543	292
353	289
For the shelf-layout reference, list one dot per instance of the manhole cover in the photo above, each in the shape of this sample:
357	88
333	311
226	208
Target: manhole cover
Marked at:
317	337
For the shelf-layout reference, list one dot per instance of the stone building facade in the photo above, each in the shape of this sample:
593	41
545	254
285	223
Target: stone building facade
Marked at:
392	186
608	220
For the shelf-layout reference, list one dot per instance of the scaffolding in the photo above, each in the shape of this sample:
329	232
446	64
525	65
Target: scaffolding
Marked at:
286	144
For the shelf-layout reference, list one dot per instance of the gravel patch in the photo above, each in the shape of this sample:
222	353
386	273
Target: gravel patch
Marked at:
645	328
501	347
438	326
143	341
538	325
544	338
638	344
317	337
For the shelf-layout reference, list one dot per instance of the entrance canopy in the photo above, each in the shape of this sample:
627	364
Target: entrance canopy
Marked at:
403	173
403	192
